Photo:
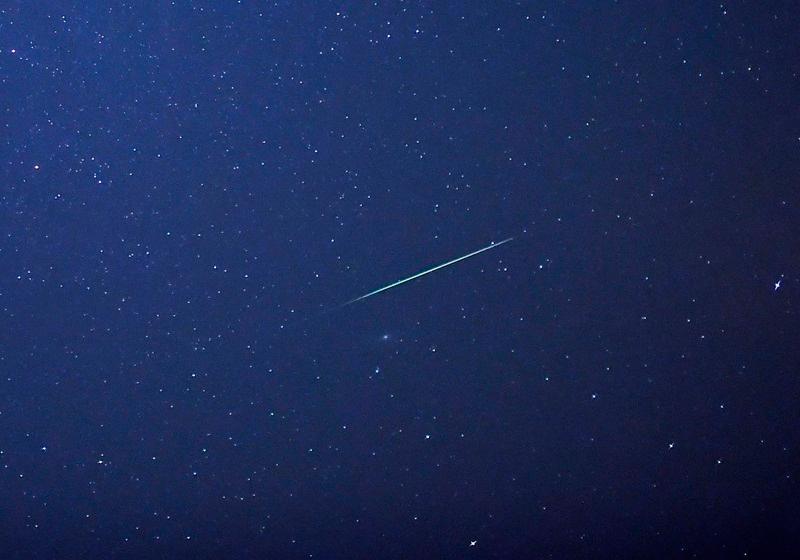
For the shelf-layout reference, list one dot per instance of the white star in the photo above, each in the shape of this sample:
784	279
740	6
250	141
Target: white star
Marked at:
473	543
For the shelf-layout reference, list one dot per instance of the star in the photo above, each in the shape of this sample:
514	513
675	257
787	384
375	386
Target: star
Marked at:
473	543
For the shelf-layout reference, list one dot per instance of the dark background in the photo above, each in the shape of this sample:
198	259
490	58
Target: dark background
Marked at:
190	189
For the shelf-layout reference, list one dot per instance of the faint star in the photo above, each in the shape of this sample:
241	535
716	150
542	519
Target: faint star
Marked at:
473	543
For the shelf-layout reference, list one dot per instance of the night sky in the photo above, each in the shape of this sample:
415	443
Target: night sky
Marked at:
191	190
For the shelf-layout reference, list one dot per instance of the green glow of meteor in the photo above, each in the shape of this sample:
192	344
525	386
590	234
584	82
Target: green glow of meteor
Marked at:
424	272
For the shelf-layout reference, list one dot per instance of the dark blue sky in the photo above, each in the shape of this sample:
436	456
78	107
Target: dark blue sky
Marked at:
190	190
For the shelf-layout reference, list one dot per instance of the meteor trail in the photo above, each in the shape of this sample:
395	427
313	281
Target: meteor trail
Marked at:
424	272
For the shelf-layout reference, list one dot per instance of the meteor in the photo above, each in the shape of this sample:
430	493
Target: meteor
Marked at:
424	272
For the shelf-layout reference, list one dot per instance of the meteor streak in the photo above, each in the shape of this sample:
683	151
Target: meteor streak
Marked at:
424	272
